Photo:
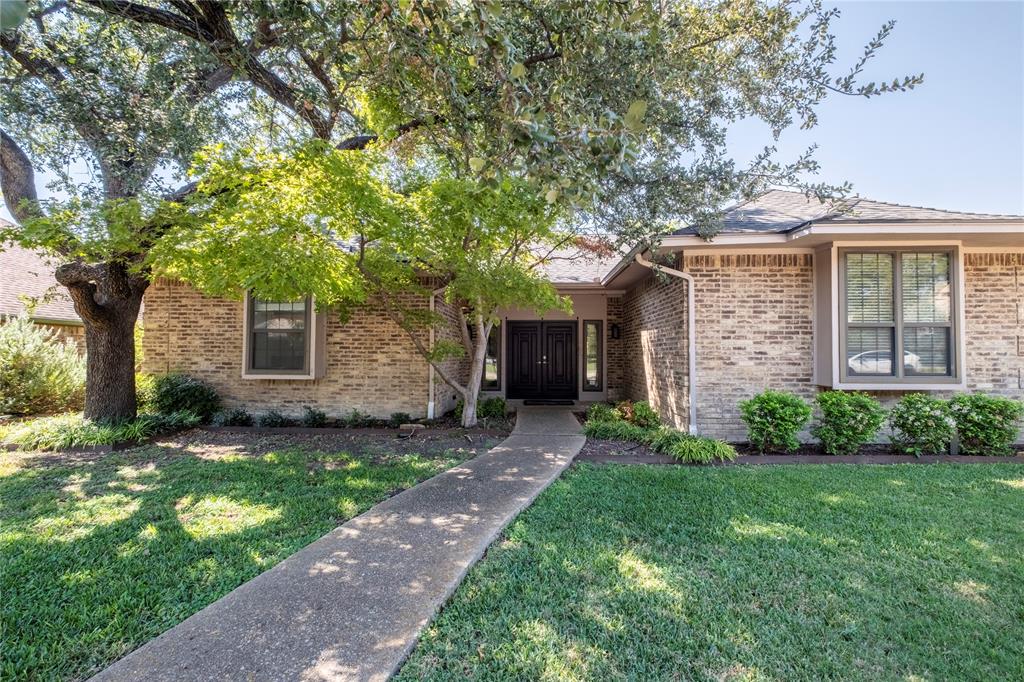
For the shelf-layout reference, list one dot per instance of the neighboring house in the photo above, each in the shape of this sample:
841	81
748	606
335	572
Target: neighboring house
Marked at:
792	295
26	275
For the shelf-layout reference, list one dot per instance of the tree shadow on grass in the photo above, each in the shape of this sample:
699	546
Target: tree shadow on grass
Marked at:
798	573
100	555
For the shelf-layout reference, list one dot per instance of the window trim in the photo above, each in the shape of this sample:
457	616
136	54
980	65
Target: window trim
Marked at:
308	372
899	381
599	386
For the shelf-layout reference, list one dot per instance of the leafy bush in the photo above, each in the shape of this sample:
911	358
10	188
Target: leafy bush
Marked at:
601	412
774	419
644	415
921	425
145	390
236	416
65	431
986	424
176	392
273	418
848	421
313	418
490	408
39	373
357	420
624	410
399	418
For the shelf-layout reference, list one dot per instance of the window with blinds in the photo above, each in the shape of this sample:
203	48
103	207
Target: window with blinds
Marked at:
897	315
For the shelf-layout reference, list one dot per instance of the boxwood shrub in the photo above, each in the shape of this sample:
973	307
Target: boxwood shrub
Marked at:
986	424
921	425
849	419
176	392
774	419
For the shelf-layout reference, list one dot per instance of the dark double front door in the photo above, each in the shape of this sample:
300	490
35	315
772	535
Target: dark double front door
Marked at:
541	360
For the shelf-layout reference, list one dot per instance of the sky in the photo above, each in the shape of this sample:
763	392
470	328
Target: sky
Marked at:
955	142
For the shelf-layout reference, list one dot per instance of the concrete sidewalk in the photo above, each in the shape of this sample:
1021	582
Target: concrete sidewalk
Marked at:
351	605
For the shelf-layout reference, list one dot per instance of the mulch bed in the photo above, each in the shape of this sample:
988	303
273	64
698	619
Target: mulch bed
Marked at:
620	452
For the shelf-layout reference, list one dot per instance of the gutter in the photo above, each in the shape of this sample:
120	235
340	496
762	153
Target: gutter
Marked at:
691	332
431	381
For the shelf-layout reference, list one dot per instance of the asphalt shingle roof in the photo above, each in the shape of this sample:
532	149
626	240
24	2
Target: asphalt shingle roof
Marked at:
25	273
779	211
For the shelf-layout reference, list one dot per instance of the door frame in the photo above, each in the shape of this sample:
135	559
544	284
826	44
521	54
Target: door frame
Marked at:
510	361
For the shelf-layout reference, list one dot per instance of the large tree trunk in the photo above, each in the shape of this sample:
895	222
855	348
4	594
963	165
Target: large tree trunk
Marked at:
107	298
478	357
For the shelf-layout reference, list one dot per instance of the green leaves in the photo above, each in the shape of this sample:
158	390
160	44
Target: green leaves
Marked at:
477	164
635	115
518	70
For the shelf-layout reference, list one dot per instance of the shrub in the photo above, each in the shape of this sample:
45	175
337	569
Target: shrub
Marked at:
985	424
921	425
624	409
357	420
72	430
313	418
39	373
848	421
644	415
145	389
273	418
490	408
601	412
176	392
399	418
236	416
774	419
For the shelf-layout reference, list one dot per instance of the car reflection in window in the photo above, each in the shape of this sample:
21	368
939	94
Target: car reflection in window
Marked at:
879	362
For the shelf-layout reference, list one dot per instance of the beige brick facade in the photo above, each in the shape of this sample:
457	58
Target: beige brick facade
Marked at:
371	365
755	331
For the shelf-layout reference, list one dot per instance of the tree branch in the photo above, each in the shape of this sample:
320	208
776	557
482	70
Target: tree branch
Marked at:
17	180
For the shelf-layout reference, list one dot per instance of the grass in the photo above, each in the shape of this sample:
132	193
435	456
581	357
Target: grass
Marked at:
99	556
747	573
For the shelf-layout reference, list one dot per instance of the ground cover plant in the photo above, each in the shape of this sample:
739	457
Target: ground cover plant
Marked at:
639	423
100	554
72	430
747	573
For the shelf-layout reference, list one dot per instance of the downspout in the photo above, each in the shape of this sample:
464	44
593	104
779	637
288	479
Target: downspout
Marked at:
691	332
431	406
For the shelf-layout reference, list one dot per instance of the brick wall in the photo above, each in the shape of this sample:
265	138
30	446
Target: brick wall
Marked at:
614	351
654	347
371	365
755	331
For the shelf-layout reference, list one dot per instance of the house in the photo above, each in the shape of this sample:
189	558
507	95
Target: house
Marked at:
27	276
792	294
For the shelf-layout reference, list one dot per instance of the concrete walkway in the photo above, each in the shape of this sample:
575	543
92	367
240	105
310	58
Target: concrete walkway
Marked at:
351	605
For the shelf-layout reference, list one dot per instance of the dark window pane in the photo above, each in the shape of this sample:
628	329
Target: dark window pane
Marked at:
491	380
592	355
278	335
926	351
869	352
869	287
926	287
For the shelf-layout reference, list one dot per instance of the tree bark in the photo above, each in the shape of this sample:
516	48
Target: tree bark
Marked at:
107	298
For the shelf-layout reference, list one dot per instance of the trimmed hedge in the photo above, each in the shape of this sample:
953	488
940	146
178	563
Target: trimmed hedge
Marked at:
921	425
986	424
176	392
849	419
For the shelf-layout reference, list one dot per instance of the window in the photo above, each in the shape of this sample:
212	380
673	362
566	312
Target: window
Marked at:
491	380
278	336
897	316
593	354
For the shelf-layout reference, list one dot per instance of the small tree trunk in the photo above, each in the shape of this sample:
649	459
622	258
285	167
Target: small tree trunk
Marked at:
110	367
476	372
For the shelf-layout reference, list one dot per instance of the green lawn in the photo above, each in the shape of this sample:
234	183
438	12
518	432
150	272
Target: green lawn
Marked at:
98	557
904	572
